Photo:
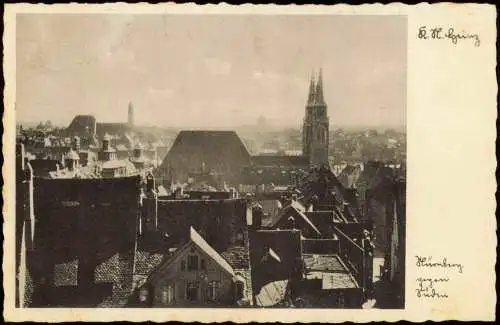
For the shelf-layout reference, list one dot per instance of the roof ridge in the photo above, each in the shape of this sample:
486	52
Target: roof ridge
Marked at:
199	241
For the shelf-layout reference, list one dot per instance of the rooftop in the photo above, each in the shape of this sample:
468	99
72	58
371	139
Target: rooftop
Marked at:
330	270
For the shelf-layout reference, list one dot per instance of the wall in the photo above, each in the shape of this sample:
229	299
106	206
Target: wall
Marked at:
320	246
358	257
217	221
86	219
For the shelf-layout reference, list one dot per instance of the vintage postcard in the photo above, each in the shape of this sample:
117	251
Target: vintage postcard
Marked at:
260	163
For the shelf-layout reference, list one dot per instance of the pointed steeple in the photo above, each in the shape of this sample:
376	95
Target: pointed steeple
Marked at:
310	99
319	88
130	114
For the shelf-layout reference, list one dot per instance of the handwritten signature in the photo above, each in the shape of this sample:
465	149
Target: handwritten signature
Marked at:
440	33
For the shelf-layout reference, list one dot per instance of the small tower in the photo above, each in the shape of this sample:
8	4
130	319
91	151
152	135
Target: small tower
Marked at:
138	158
107	152
72	160
315	132
130	115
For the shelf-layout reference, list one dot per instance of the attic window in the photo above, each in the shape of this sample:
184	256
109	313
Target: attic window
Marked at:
192	263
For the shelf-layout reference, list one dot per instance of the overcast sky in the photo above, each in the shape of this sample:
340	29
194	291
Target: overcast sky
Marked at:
210	70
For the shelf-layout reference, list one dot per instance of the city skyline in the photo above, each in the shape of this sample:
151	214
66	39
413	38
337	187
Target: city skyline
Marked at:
215	72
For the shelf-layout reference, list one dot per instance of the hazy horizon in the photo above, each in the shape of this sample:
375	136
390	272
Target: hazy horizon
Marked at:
33	123
210	71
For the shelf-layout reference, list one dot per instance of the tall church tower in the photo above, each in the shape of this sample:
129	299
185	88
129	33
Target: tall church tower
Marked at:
130	115
315	131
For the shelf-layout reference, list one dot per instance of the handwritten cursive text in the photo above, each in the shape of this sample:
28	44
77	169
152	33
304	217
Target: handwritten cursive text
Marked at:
428	262
451	34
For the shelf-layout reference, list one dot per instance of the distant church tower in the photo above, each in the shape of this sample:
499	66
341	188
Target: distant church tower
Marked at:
315	131
130	114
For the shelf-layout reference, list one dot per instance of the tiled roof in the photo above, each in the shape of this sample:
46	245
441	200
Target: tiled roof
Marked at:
245	274
108	271
205	247
237	257
315	262
146	262
298	210
66	274
198	241
333	280
222	152
330	269
272	293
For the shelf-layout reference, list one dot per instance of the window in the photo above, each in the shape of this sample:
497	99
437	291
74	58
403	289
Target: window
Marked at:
183	265
143	294
192	291
240	290
239	237
203	265
167	294
341	301
213	287
192	263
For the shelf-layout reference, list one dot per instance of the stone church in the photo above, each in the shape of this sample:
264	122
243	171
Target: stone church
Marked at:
315	131
223	155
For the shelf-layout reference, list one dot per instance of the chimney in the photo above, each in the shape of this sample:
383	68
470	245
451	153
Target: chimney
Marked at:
314	202
150	183
76	144
257	215
21	156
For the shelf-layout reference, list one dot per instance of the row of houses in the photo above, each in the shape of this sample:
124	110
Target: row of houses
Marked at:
302	248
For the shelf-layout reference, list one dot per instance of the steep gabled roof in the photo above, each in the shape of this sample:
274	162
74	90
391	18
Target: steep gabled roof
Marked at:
219	151
198	241
207	249
298	210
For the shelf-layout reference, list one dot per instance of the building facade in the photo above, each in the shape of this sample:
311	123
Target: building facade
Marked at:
196	275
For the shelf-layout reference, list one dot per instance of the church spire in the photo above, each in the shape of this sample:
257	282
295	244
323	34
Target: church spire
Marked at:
310	99
319	88
130	114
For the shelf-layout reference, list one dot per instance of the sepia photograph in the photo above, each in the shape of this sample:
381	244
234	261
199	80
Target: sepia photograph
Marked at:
210	161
